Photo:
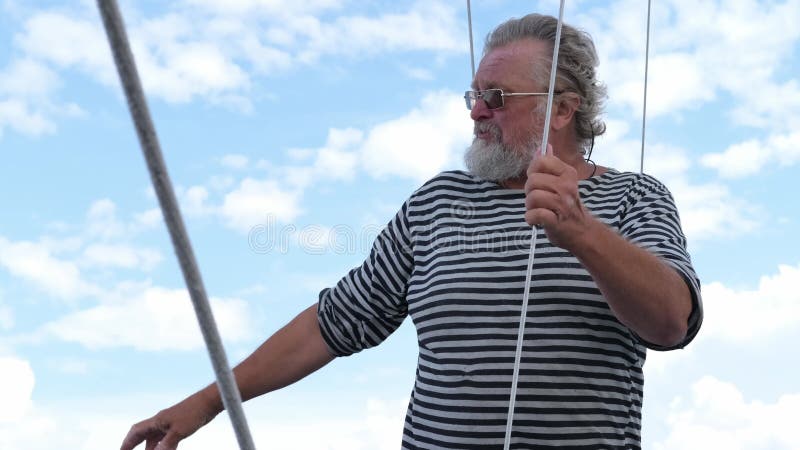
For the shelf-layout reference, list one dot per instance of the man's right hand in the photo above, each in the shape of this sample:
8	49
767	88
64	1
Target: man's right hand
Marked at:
293	352
170	426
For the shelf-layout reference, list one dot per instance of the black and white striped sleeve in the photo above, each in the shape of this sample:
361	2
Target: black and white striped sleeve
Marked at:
652	222
369	303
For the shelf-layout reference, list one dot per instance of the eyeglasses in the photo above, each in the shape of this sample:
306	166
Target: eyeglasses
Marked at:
494	98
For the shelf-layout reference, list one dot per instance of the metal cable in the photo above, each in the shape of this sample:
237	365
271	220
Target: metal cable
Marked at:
535	232
644	99
145	130
471	51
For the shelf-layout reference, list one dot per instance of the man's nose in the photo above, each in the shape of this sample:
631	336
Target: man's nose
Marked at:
480	110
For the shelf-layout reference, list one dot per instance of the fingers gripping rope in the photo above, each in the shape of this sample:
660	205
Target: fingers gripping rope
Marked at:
123	57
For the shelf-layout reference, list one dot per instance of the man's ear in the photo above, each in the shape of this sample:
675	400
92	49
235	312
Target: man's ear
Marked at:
564	107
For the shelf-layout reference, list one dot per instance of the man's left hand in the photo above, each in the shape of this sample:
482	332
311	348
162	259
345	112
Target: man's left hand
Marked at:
552	201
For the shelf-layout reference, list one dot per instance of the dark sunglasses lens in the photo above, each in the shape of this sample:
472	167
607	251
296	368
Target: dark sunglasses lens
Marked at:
493	98
470	97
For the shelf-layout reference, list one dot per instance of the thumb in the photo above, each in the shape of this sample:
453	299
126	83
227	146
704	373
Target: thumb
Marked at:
538	153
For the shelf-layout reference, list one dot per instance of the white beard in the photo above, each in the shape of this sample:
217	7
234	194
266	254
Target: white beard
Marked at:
493	160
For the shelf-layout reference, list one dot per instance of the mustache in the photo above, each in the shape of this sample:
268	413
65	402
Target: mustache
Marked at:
483	127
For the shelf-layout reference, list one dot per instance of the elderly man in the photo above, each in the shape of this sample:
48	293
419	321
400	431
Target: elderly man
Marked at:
611	276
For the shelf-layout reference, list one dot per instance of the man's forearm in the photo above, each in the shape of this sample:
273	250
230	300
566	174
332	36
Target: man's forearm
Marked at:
293	352
644	293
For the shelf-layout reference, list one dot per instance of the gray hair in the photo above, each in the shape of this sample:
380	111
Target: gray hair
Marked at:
577	61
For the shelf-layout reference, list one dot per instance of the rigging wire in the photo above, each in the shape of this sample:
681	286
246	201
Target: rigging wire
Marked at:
534	234
471	50
145	130
644	95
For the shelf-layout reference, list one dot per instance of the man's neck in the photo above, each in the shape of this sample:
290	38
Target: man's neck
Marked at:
585	170
514	183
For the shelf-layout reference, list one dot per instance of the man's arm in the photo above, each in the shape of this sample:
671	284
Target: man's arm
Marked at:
645	294
293	352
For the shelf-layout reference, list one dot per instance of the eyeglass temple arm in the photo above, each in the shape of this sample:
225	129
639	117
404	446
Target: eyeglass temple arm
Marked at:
512	94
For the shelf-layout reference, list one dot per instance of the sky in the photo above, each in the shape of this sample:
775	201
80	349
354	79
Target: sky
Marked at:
293	131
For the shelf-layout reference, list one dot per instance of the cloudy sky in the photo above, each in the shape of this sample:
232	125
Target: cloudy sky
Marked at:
293	131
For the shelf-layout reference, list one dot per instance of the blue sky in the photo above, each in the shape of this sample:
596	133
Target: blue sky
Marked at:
293	130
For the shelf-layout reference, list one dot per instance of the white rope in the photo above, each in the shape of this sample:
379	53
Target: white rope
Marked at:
644	95
535	232
552	86
471	50
145	130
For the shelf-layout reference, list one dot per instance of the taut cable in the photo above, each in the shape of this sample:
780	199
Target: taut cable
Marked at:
145	130
471	50
534	233
644	95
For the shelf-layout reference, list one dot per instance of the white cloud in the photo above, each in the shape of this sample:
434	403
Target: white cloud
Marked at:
718	416
221	182
259	201
70	366
418	73
710	210
102	220
194	201
6	318
206	49
34	431
179	71
317	239
265	7
675	82
150	320
707	210
751	156
774	105
121	256
368	424
174	59
148	219
428	25
745	315
378	425
740	316
741	159
234	161
68	41
16	388
379	428
253	201
27	78
336	160
294	34
698	51
18	115
103	223
35	263
417	145
421	143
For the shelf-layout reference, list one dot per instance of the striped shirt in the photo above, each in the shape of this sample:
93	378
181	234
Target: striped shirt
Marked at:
454	258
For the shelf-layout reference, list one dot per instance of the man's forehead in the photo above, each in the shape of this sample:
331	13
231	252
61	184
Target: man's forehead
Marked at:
506	63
